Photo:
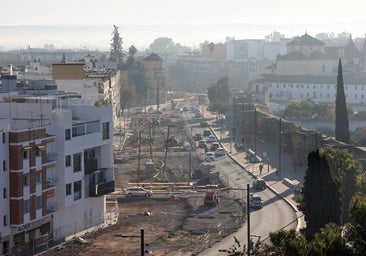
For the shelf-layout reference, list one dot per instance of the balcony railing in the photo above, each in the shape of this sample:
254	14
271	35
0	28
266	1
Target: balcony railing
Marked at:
101	189
51	157
51	182
51	207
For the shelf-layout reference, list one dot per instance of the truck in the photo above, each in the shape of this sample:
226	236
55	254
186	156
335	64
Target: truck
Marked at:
212	195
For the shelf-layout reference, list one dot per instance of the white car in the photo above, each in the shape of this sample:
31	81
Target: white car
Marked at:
138	191
211	138
256	201
210	156
220	152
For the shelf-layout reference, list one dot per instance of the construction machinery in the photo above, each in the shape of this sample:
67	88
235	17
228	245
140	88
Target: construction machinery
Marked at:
212	195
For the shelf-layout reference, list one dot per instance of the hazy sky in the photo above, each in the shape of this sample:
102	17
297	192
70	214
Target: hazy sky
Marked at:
261	17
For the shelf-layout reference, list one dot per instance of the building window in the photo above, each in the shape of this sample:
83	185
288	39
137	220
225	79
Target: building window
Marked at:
39	202
67	134
4	137
362	96
38	178
356	87
4	165
323	68
68	189
26	206
68	161
105	131
307	86
5	220
38	152
77	162
26	154
26	181
328	95
77	190
5	193
355	96
328	86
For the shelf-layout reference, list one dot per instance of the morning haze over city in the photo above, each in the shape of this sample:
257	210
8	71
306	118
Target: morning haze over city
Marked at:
87	24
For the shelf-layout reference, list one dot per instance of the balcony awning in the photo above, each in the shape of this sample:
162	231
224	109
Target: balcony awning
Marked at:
41	147
27	148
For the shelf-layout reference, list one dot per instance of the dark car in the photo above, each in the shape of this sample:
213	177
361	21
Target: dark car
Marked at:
204	124
206	132
259	184
198	136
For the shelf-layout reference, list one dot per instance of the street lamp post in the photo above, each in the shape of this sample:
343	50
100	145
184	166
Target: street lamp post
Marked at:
280	149
255	134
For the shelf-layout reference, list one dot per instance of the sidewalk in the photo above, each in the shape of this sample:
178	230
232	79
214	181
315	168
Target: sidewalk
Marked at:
269	173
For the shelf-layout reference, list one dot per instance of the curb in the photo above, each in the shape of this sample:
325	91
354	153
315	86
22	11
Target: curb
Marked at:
298	219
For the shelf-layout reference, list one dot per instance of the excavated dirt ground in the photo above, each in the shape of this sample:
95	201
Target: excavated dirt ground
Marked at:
184	226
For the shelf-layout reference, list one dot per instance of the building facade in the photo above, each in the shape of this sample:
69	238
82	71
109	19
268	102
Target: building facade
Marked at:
57	162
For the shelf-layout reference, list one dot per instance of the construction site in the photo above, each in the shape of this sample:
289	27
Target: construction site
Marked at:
190	208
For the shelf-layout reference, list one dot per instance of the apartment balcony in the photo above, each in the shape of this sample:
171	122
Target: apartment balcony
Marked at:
51	207
51	182
101	188
90	166
51	157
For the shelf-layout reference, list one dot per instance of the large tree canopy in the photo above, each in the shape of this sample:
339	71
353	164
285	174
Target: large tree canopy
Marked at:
219	95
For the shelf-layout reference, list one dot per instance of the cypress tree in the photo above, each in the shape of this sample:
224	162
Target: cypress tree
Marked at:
342	127
321	203
116	53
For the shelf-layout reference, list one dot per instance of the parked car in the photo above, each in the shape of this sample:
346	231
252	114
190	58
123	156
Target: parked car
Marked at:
210	156
215	145
138	191
202	144
198	136
259	184
211	139
256	201
204	124
220	152
206	132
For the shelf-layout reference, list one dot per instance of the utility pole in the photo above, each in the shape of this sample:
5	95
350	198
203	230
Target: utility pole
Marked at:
280	150
255	134
248	217
166	145
142	242
139	158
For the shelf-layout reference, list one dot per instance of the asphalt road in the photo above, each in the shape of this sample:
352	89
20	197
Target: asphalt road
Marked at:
276	214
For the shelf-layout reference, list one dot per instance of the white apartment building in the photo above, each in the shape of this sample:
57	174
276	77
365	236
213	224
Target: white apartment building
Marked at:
91	85
322	89
60	164
309	71
5	231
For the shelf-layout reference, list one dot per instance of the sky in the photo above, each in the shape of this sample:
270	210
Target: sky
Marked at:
189	22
